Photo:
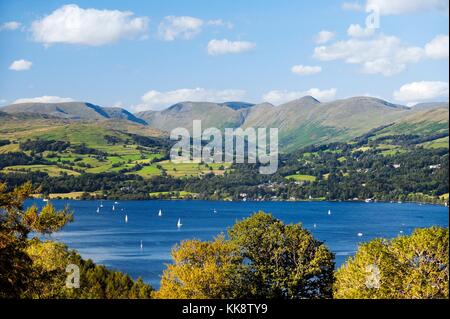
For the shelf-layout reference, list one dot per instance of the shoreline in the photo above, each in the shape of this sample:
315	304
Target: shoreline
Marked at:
248	201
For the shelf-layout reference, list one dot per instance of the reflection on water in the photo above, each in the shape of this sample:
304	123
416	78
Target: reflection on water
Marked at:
105	238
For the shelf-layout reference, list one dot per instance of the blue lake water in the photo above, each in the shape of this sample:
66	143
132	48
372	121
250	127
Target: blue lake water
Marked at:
107	239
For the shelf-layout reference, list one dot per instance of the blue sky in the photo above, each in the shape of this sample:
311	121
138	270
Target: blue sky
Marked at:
149	54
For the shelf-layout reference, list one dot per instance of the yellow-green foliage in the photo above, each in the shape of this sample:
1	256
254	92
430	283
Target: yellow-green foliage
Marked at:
408	267
263	258
36	269
47	221
202	270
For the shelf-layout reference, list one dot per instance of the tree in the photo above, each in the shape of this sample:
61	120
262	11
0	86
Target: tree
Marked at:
31	268
409	267
263	258
202	270
283	261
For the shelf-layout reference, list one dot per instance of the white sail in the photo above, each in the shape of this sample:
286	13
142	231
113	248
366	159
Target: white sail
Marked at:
329	212
126	218
179	224
160	213
113	208
98	209
142	245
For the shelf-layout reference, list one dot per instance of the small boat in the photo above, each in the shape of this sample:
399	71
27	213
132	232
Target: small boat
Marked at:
45	200
114	208
160	213
215	211
329	212
116	203
360	234
101	204
98	209
142	245
126	218
315	226
179	224
401	232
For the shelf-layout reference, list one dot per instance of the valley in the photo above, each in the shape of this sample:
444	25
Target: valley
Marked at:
353	149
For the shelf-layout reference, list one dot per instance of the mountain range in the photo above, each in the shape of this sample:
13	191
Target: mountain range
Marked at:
300	122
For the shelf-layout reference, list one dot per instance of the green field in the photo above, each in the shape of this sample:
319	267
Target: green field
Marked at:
192	169
439	143
148	171
51	170
9	148
301	178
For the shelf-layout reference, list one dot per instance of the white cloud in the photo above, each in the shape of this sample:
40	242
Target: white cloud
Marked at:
324	36
74	25
306	70
219	47
416	92
356	31
179	27
156	100
279	97
352	6
396	7
21	65
220	23
385	55
438	47
44	99
11	25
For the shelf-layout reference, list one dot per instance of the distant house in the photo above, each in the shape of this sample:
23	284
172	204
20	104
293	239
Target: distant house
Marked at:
397	166
435	166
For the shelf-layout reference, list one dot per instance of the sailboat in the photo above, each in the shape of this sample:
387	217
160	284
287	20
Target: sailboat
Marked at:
116	203
160	213
315	226
114	208
45	200
179	224
98	209
101	204
215	211
126	218
329	212
142	245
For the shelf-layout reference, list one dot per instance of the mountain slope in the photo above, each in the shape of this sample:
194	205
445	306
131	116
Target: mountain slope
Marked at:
183	114
421	122
72	111
301	122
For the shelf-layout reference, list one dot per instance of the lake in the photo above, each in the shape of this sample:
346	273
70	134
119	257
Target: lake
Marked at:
107	239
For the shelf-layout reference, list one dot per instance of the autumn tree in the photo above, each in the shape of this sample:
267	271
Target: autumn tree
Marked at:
31	268
407	267
263	258
202	270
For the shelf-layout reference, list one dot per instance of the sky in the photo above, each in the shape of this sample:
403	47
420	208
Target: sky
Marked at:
149	55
